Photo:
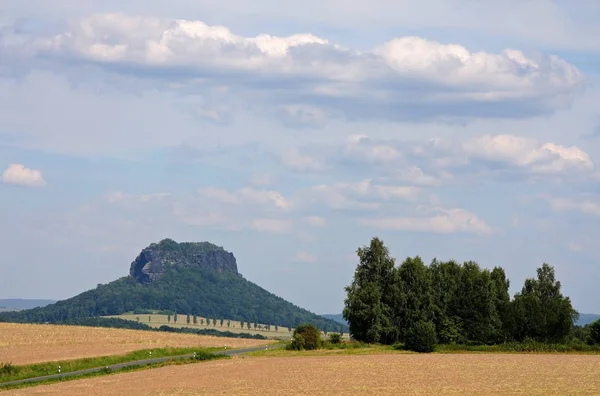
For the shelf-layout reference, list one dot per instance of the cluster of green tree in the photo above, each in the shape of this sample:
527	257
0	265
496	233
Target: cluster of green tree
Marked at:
211	332
191	290
448	302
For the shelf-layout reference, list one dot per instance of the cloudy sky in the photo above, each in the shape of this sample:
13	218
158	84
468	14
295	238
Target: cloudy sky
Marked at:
292	133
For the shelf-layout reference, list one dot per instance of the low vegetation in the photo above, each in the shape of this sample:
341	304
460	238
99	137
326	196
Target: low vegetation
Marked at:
306	336
200	356
9	372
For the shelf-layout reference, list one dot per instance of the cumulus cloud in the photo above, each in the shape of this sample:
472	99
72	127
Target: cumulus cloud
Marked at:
526	152
19	175
245	195
403	78
300	162
360	148
363	195
446	221
302	116
585	205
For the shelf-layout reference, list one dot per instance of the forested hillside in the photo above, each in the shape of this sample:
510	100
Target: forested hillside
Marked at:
196	279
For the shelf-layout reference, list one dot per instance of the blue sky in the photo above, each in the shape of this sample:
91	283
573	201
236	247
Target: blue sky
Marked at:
291	134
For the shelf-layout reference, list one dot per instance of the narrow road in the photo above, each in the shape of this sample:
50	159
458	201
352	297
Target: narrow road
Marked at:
145	362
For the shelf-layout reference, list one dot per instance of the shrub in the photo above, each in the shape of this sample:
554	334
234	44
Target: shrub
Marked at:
335	338
297	343
421	337
7	369
306	336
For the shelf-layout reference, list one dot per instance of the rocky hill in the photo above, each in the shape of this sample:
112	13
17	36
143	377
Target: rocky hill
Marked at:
151	264
188	278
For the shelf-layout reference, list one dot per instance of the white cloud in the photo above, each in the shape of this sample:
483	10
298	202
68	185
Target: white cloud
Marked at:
445	222
360	147
527	152
549	24
445	80
19	175
316	221
116	197
294	160
244	196
563	204
304	257
362	195
300	115
415	175
275	226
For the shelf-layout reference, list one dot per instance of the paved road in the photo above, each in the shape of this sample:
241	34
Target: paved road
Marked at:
230	352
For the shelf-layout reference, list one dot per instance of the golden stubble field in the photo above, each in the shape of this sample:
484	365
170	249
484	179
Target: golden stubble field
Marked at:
27	343
388	374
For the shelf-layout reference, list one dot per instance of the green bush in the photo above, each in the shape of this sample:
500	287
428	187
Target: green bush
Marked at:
306	336
297	343
335	338
7	369
421	337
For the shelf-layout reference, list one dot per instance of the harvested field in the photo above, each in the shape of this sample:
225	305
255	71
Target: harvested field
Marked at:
28	343
390	374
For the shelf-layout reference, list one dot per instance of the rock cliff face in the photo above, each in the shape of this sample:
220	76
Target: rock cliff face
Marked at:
153	261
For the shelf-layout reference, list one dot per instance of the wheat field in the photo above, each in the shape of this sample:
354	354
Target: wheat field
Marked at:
32	343
157	320
389	374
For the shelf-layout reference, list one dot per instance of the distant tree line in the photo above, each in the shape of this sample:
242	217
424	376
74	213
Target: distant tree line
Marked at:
449	302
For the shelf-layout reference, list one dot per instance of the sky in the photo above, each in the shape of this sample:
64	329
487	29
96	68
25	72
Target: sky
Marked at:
293	133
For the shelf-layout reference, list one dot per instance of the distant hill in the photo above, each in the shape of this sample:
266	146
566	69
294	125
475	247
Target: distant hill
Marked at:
336	317
585	319
20	303
191	278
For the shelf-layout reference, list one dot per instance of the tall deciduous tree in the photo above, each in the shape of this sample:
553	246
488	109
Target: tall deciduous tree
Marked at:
541	311
501	285
413	296
446	289
368	307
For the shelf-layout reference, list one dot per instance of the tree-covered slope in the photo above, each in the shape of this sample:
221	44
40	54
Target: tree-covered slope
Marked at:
188	278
